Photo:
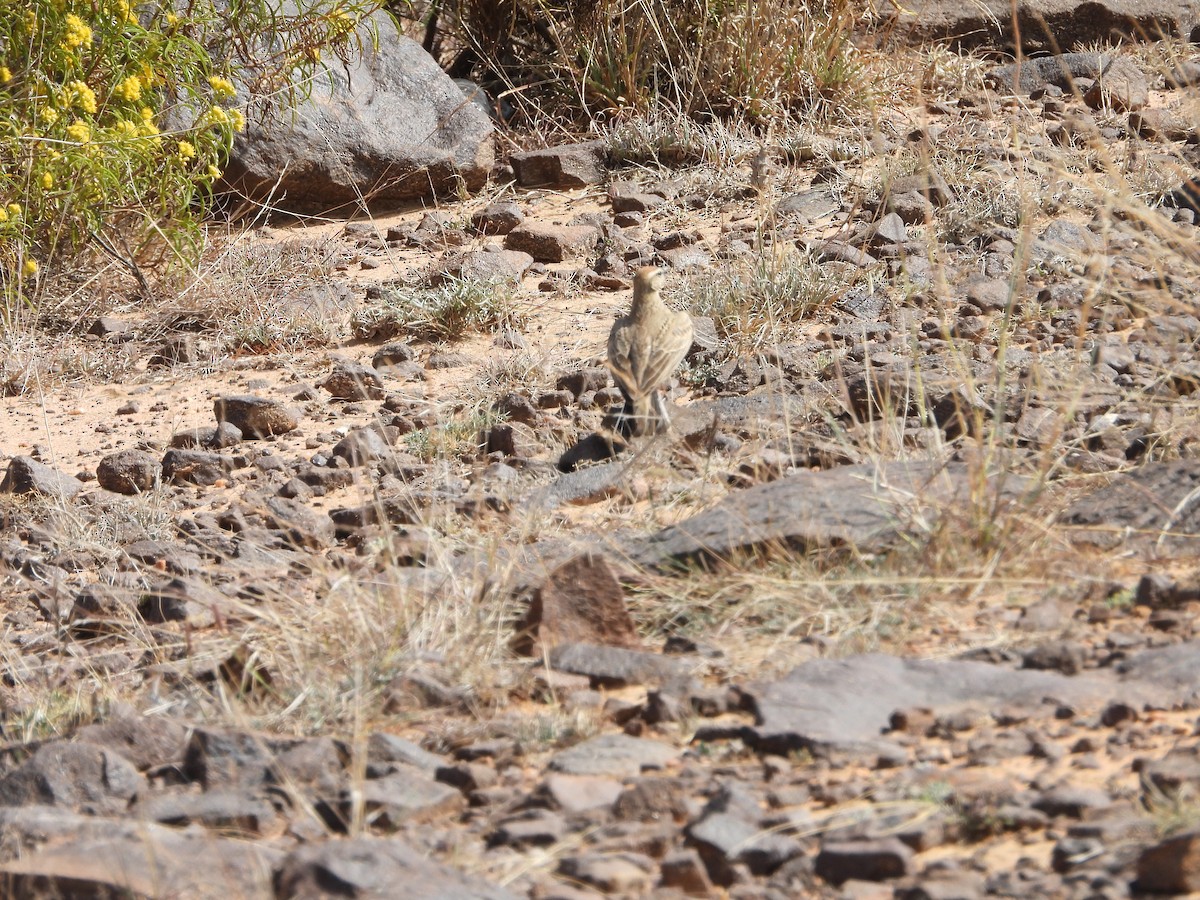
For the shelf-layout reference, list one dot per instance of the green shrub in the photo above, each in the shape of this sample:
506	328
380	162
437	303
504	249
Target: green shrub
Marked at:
117	120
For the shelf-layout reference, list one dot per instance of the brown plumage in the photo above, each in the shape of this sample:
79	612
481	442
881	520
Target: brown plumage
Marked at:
644	349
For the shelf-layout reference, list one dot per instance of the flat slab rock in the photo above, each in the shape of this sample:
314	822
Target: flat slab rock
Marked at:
864	506
1157	504
144	860
1044	24
847	703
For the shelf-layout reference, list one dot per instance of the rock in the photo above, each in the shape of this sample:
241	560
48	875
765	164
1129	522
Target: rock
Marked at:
78	776
580	486
180	350
579	602
871	860
1171	866
195	467
221	810
405	795
625	197
299	526
650	799
146	860
500	217
847	703
368	444
1043	25
1175	776
129	472
255	417
493	266
1156	503
628	874
579	793
351	381
532	828
552	243
615	666
859	506
566	166
370	867
146	741
219	438
613	755
808	206
684	871
391	126
1121	86
225	759
110	327
393	354
1073	802
384	748
726	839
25	475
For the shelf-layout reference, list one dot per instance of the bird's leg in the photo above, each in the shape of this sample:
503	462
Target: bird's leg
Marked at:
660	408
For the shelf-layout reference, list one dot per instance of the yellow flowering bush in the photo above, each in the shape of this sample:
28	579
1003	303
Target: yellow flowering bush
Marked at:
118	120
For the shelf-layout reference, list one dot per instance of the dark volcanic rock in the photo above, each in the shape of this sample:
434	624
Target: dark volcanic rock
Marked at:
580	601
615	666
866	860
1045	25
79	776
255	417
129	472
567	166
110	858
847	703
369	867
860	506
1158	503
25	475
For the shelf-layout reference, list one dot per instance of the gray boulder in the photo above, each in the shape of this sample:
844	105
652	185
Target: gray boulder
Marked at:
391	127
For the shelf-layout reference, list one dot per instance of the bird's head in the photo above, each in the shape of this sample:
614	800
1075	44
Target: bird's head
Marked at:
647	282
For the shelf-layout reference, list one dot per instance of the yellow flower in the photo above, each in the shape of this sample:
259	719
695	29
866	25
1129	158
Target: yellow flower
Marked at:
79	94
216	116
78	33
48	115
146	76
14	210
5	74
124	13
125	128
30	20
79	132
222	88
172	20
3	215
186	150
130	89
29	268
213	171
47	181
147	114
237	120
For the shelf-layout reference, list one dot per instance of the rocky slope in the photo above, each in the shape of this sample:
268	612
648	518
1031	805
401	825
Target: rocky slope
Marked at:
327	582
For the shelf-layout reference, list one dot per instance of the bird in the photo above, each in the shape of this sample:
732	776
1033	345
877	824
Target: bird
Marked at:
644	349
761	170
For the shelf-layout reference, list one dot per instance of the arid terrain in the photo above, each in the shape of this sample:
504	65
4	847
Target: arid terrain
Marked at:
325	573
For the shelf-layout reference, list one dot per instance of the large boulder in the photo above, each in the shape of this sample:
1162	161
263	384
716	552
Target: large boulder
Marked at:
390	127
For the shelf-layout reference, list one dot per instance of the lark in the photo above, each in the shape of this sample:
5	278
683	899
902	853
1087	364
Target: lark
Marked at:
644	349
